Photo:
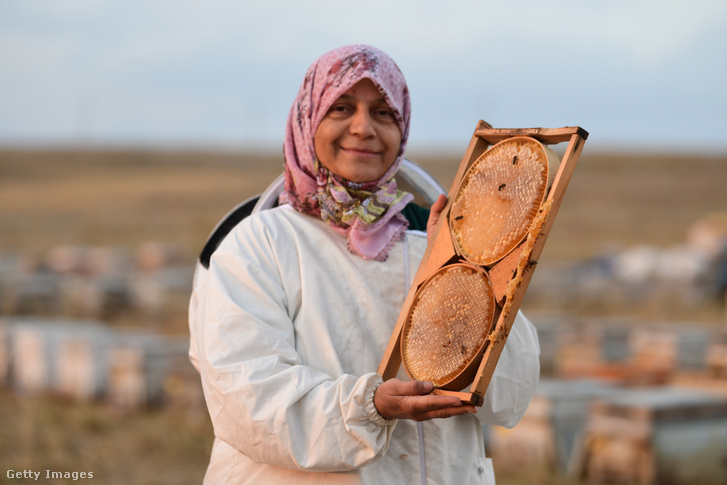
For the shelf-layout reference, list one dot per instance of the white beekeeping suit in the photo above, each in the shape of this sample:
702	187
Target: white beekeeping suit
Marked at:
288	372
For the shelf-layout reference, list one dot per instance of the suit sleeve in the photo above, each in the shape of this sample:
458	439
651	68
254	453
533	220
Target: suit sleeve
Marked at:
516	376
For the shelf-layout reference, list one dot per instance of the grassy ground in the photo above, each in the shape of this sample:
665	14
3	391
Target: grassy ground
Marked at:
125	198
164	447
121	198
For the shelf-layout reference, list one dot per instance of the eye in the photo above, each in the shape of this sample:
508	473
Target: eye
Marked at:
339	110
384	113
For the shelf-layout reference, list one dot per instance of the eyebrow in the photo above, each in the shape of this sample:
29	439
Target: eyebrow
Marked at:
348	97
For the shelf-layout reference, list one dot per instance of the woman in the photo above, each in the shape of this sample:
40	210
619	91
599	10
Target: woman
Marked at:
290	322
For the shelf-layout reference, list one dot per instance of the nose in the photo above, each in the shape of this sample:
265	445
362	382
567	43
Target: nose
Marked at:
362	124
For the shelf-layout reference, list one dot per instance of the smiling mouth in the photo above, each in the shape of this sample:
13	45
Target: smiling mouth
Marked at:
360	151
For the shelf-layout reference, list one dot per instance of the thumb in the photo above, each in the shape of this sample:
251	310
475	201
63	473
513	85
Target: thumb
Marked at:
416	388
434	212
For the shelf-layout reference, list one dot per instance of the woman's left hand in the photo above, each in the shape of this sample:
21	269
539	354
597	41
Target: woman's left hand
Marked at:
397	399
434	212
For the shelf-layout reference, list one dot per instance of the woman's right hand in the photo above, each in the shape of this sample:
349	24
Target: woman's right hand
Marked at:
434	212
397	399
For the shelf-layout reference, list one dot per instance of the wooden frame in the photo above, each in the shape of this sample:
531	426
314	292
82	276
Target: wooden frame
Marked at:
509	276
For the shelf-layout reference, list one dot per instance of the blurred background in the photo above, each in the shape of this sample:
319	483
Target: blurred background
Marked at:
128	130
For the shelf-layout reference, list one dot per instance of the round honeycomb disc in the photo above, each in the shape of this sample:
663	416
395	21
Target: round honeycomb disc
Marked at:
499	198
447	326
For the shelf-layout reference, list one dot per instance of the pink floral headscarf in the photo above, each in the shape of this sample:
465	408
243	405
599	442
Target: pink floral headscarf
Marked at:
368	214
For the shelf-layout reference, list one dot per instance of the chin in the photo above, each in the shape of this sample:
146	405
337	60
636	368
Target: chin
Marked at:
363	178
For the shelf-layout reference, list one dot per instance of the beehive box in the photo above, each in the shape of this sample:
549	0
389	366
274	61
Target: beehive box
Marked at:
615	349
82	363
5	352
654	356
656	435
551	429
36	294
136	371
182	389
139	368
35	344
580	353
549	331
716	360
501	207
36	347
693	345
713	374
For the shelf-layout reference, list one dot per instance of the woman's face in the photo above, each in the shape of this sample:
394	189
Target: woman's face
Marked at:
359	138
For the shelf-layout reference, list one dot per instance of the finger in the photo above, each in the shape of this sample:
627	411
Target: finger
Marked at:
421	388
420	404
436	210
447	412
421	408
434	213
409	388
439	204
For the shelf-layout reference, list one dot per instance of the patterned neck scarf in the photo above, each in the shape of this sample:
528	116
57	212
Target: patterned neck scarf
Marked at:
367	214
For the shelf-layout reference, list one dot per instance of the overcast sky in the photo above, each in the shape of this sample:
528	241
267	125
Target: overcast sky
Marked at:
222	74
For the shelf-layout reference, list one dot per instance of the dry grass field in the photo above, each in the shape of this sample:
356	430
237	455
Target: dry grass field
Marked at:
126	198
162	447
50	198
